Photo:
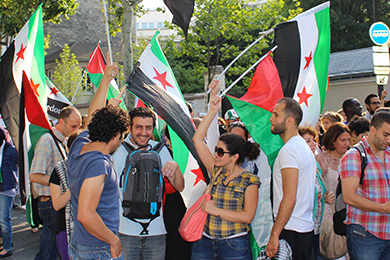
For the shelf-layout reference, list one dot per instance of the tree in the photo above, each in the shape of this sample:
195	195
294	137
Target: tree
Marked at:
15	13
220	31
67	74
350	20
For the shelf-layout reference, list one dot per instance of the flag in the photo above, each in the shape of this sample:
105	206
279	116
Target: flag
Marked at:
182	12
255	109
95	68
56	101
302	59
25	56
153	82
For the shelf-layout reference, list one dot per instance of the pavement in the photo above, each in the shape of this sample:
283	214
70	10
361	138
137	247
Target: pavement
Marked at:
26	243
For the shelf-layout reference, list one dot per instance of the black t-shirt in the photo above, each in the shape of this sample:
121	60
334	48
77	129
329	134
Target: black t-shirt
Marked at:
61	225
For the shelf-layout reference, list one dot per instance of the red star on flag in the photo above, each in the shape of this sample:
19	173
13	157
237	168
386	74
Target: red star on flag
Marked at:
34	86
199	175
303	96
54	91
20	54
308	60
162	79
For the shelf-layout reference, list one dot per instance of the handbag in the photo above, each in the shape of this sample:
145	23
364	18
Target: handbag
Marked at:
332	245
192	224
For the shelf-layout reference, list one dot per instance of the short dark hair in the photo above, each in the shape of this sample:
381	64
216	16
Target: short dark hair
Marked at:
368	98
333	133
359	125
348	103
72	137
292	109
106	123
66	112
142	112
240	125
382	115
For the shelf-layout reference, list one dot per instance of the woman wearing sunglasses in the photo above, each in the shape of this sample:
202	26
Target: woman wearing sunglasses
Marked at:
234	193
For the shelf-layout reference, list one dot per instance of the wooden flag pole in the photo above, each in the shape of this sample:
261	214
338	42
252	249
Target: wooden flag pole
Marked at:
246	72
107	30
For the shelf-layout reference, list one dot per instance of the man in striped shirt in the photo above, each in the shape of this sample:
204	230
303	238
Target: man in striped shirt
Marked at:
368	205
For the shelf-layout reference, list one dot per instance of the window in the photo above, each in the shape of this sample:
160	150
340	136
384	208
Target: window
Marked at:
137	26
160	24
144	25
151	25
86	83
49	74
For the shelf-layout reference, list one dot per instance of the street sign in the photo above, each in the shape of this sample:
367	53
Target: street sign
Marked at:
382	70
382	79
379	33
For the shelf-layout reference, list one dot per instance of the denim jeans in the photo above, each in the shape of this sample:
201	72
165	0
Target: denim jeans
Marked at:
5	221
149	247
47	246
223	249
363	245
80	252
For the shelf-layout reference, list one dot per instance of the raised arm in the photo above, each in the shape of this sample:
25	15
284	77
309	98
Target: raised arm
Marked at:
203	151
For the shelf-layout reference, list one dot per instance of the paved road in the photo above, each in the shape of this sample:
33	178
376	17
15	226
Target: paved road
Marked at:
26	243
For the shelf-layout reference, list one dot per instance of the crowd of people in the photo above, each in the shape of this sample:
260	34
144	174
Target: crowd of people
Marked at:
88	202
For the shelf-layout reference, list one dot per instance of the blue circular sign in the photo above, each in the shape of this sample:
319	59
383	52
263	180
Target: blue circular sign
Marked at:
379	33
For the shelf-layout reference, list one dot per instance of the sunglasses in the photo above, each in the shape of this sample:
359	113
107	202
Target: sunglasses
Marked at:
220	152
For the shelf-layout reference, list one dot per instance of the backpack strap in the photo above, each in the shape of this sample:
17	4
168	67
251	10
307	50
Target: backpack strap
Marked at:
158	147
363	158
129	148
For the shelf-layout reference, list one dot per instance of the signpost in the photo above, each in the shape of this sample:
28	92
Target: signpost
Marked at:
380	35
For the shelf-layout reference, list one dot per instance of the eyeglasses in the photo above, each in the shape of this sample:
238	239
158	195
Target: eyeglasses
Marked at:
220	152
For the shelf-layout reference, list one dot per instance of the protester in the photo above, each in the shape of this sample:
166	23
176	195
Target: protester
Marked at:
9	161
174	210
230	117
329	118
60	196
293	182
351	108
372	104
93	182
321	194
147	242
234	193
48	152
368	206
359	128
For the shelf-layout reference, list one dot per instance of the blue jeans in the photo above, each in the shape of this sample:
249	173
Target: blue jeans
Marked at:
80	252
149	247
363	245
223	249
47	246
6	204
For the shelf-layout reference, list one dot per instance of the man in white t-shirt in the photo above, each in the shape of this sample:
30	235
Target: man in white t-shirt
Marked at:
293	183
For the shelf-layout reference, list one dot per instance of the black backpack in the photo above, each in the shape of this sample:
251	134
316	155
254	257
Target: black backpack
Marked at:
340	209
143	184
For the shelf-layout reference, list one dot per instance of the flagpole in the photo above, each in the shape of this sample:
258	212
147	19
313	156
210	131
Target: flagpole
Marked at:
78	86
246	72
242	53
107	30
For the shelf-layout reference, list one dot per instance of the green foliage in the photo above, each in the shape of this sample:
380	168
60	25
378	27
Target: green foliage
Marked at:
67	73
15	13
221	29
350	21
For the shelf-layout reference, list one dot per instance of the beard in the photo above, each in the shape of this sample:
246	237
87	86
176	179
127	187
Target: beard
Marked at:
279	129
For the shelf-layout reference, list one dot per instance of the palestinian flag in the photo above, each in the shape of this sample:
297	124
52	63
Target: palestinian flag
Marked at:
302	59
255	109
153	82
95	68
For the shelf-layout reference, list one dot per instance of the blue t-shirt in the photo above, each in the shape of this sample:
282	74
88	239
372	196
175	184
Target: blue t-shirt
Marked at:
88	165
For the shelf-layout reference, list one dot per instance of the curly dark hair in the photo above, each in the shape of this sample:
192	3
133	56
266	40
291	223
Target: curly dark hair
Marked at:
106	123
359	125
142	112
236	145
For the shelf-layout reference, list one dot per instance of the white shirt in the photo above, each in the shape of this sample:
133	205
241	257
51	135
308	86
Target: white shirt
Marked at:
127	226
296	154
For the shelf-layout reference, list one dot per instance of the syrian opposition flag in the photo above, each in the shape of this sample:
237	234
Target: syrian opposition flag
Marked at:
56	101
255	109
153	82
302	59
95	68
